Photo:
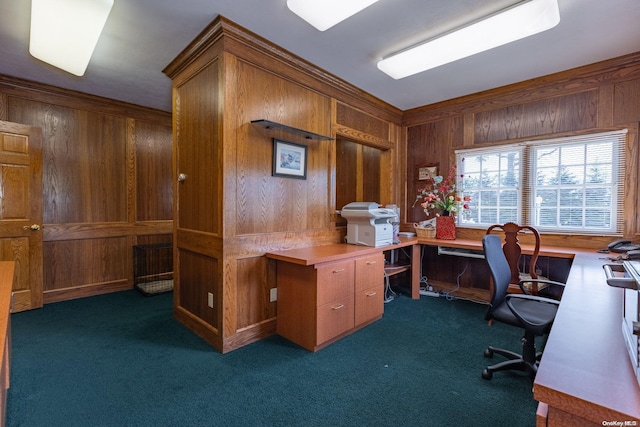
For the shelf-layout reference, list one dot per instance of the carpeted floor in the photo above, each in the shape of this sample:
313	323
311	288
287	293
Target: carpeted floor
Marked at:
121	360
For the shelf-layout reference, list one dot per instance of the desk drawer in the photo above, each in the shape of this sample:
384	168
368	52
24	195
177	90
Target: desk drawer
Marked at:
334	319
369	271
335	281
369	304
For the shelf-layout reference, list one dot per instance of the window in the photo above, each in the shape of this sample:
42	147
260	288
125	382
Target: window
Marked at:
566	185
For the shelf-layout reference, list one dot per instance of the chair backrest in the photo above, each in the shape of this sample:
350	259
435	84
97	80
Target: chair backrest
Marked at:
512	250
499	267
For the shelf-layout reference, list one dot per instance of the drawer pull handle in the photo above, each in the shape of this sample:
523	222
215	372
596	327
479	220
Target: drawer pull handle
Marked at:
339	270
338	307
371	262
371	294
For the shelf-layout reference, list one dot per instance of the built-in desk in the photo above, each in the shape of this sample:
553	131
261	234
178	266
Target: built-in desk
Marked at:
312	255
550	251
326	292
450	267
585	376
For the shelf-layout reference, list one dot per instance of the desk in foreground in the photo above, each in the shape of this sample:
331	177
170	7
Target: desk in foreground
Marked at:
585	376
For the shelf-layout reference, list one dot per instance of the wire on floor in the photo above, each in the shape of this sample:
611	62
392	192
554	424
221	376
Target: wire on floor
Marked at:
389	294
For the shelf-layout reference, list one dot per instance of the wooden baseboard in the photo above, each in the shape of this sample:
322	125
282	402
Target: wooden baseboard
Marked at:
20	300
58	295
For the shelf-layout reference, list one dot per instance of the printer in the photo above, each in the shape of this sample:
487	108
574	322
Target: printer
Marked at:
368	224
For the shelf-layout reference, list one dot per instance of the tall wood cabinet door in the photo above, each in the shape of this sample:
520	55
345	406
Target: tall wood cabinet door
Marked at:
21	211
198	238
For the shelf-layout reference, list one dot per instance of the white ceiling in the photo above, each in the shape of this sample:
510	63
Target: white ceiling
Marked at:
142	36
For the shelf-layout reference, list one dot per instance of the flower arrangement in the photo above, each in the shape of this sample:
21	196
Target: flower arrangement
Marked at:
441	195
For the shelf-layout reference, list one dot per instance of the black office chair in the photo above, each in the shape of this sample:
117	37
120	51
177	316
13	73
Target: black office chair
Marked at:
534	314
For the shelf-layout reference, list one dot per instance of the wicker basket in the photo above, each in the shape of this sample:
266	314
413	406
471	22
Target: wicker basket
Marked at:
426	232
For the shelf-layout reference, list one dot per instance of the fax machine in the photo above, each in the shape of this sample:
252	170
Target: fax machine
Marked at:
368	224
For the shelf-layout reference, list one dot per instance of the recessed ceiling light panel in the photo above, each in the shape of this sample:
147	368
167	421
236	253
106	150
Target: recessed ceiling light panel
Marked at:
324	14
517	22
64	33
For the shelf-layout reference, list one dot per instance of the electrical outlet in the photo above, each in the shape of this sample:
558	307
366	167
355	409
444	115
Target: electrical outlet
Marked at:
273	294
210	300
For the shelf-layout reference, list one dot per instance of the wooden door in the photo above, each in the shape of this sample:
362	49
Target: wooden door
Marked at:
21	211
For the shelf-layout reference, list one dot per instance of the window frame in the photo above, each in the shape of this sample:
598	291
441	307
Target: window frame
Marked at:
526	187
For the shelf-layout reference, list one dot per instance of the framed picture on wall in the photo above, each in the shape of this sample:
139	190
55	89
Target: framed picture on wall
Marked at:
289	159
426	171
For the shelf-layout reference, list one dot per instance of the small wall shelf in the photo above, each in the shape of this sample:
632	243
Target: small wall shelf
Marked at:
267	124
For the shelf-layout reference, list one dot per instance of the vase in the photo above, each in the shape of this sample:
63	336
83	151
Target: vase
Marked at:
446	227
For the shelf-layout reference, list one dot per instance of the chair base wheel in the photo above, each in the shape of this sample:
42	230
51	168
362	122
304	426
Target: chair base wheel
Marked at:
514	362
487	374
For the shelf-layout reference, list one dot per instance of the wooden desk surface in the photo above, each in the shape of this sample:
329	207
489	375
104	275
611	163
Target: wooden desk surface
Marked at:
585	369
312	255
552	251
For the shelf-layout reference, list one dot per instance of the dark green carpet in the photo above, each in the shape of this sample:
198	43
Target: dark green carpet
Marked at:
121	360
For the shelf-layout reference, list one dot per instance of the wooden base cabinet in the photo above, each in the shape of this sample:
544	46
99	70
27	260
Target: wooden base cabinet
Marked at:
320	303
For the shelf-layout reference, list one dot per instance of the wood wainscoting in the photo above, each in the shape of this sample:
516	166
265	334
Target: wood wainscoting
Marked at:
106	184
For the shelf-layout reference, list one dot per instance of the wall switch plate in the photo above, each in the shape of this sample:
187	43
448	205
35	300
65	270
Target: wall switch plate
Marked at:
273	294
210	300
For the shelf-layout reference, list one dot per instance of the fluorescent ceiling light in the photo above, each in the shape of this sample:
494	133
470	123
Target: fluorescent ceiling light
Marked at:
65	32
519	21
324	14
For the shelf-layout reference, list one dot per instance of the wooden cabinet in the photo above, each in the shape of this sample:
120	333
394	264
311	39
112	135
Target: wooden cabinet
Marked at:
322	302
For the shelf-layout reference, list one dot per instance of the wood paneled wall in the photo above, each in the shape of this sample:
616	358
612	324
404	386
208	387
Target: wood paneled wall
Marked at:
267	204
107	184
590	99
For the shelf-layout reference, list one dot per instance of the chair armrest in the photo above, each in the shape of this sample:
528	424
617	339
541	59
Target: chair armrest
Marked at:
547	281
515	312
